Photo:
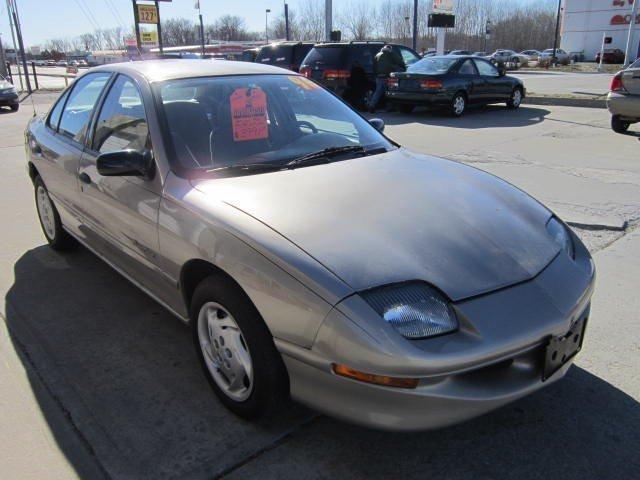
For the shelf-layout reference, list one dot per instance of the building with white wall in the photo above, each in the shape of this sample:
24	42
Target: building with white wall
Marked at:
585	21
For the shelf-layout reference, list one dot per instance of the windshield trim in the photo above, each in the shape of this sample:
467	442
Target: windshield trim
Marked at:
192	174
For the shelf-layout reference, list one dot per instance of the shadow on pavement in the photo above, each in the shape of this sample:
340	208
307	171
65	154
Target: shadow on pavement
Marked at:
126	373
492	116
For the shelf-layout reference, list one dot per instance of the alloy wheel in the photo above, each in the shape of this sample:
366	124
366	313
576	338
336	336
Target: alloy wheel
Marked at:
45	212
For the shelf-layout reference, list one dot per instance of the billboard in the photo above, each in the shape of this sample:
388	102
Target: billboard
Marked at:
442	6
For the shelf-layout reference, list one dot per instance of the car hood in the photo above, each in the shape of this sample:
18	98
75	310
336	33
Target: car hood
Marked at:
4	84
400	216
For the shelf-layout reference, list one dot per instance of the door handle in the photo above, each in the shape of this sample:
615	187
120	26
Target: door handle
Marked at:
84	178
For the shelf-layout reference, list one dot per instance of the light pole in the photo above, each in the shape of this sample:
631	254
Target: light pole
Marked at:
555	41
266	25
286	21
487	32
632	23
414	43
407	29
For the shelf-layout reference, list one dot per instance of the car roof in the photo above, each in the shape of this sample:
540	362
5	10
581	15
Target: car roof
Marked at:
160	70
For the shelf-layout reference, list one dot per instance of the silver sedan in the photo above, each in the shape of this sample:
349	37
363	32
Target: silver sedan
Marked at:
314	257
623	100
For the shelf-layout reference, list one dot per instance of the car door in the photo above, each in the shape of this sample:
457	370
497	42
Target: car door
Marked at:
62	143
476	86
498	87
121	211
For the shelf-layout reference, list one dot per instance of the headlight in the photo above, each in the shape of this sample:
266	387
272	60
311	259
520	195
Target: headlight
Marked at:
560	235
415	310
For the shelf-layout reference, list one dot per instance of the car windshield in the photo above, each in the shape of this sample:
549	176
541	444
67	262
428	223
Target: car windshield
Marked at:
227	123
433	65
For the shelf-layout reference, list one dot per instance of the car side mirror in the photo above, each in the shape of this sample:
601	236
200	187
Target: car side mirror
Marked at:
502	71
126	163
378	124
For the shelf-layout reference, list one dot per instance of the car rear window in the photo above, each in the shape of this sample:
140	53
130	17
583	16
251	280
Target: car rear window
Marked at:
300	52
329	56
434	65
364	55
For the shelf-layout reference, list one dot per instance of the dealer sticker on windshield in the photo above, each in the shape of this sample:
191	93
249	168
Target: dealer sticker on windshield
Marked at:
249	114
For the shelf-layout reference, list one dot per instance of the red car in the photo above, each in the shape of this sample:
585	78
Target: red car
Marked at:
611	55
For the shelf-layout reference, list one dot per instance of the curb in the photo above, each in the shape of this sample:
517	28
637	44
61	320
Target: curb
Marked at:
566	101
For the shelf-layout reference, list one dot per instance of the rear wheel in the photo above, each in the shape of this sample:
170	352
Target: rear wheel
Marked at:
516	98
15	107
49	218
236	350
618	125
406	108
458	104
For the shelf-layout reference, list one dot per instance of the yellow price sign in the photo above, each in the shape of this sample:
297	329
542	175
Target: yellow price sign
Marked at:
147	14
149	39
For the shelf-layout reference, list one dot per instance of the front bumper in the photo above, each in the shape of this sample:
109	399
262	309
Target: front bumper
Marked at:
496	356
8	99
625	105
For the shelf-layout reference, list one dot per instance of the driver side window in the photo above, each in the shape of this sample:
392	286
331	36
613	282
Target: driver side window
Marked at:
122	123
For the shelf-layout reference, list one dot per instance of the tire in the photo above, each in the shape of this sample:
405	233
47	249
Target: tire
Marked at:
458	104
50	223
515	100
405	108
14	108
241	362
619	126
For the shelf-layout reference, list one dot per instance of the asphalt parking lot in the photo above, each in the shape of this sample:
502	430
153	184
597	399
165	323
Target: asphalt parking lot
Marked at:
99	381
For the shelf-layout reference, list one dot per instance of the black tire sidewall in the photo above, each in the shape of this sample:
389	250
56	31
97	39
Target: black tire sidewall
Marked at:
618	125
270	380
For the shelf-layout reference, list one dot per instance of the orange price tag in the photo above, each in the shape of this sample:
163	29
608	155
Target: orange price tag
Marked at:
249	114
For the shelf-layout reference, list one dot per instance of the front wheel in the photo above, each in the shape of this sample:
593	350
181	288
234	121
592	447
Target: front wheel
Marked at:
618	125
236	349
49	218
458	104
15	107
516	99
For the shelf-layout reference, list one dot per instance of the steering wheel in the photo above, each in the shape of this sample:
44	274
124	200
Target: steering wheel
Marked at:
309	125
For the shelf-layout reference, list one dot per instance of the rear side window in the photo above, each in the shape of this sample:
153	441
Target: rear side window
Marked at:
408	56
122	123
325	56
56	111
82	100
364	55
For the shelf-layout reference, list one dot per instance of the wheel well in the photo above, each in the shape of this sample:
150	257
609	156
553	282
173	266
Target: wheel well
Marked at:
33	172
193	272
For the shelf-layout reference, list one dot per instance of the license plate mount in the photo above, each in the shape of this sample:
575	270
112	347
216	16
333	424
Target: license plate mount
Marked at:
563	348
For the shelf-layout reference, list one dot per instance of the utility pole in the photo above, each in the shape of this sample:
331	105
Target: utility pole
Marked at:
15	48
632	24
286	21
555	41
16	22
415	25
201	27
328	19
487	32
136	22
159	27
266	25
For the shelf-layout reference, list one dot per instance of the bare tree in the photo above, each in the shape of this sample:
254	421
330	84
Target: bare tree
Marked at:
358	19
311	23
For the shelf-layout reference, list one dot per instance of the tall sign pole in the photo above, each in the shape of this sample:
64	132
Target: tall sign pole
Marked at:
555	41
136	22
159	28
632	24
3	60
415	25
21	45
328	19
286	21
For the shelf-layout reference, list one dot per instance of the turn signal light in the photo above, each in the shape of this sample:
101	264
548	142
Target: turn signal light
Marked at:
335	74
431	84
349	372
616	84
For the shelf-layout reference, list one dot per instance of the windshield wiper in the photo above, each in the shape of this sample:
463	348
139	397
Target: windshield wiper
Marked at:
325	153
246	167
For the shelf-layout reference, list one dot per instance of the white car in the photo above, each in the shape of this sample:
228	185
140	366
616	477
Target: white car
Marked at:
562	56
533	55
508	56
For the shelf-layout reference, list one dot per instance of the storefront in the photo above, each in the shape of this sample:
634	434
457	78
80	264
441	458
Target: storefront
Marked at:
584	22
